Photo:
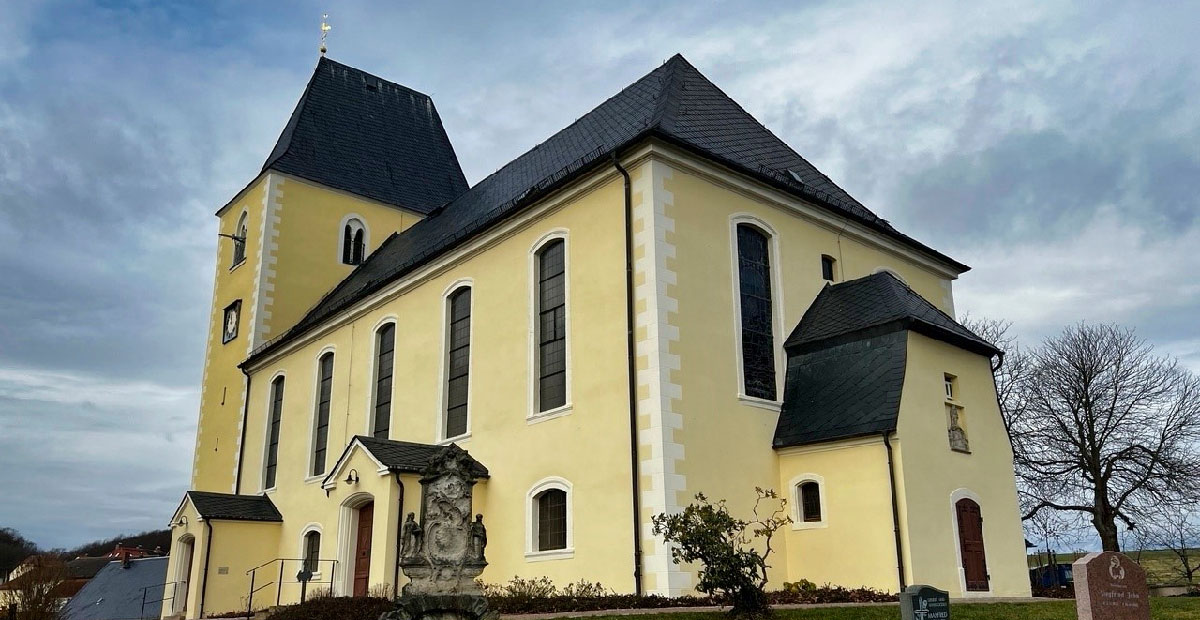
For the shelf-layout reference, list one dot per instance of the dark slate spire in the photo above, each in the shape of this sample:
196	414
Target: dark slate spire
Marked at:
365	135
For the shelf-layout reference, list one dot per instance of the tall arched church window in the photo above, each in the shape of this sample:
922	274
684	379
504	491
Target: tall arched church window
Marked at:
321	417
552	326
354	245
272	456
458	361
754	288
239	241
385	355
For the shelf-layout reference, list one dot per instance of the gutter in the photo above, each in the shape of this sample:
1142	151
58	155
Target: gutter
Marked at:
207	555
399	541
887	443
237	477
631	354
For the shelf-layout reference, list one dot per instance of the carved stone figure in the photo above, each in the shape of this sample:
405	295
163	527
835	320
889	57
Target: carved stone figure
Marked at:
958	436
412	536
478	538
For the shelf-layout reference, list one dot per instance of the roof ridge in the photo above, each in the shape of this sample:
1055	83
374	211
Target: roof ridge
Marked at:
343	65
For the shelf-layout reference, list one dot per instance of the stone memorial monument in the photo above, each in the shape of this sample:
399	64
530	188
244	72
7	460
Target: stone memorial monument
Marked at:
442	555
918	602
1110	586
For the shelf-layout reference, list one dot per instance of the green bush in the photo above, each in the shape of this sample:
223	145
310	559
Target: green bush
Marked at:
335	608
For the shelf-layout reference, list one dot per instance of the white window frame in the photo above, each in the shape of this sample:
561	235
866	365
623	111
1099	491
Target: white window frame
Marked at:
369	427
777	300
535	415
532	554
311	527
341	237
443	378
950	386
965	493
798	522
312	417
262	484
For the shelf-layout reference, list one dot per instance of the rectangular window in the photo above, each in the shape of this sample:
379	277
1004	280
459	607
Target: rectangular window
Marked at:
272	458
948	383
754	283
385	346
827	268
458	363
552	327
321	431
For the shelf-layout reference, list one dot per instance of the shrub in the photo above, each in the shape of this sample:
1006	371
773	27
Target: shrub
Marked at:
731	570
335	608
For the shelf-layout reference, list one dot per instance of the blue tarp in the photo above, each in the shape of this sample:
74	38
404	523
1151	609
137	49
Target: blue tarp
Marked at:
116	592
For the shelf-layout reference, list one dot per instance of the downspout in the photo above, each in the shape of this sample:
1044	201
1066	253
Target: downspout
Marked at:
399	540
207	555
631	354
887	443
237	478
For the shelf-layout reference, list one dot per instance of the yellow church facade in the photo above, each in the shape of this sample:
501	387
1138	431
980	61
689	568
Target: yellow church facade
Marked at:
662	299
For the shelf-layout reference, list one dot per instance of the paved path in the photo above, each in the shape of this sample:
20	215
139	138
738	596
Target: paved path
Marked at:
680	610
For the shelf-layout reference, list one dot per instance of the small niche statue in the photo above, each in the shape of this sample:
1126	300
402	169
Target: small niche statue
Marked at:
444	553
958	436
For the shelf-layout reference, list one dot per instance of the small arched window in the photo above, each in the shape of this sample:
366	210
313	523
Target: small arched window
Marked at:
810	501
458	361
312	551
354	244
239	241
551	526
385	349
757	312
321	418
272	457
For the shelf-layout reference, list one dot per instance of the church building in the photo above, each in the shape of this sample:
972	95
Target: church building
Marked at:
659	300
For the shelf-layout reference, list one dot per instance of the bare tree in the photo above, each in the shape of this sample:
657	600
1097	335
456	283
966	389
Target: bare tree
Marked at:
1177	529
1010	371
1108	428
36	593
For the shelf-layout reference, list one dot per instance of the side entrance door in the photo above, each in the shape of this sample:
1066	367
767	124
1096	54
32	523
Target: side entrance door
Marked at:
970	543
362	553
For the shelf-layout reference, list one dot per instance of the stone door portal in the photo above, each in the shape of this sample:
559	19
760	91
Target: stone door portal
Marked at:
970	543
362	553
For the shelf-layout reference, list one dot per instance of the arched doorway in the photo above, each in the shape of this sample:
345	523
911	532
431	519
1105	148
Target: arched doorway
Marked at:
362	549
184	547
970	545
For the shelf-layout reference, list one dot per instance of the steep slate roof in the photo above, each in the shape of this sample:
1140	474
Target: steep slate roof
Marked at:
230	507
397	456
116	592
356	132
848	390
674	103
877	303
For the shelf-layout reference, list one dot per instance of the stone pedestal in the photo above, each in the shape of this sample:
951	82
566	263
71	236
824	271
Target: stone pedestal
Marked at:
1110	586
443	554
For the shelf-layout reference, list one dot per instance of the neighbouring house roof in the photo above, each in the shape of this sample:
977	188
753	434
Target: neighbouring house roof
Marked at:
362	134
877	303
674	103
394	456
78	572
229	507
86	568
116	592
848	390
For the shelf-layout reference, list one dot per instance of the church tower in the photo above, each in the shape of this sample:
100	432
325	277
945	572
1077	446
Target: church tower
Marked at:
360	159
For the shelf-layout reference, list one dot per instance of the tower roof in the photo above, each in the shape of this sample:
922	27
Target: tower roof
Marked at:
362	134
674	103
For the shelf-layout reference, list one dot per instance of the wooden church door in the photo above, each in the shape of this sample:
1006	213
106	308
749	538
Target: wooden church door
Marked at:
970	543
362	554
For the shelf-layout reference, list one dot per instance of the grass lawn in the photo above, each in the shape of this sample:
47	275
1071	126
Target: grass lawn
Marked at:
1160	609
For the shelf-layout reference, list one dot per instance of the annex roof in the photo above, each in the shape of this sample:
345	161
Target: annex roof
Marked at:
116	592
674	103
394	456
362	134
229	507
877	303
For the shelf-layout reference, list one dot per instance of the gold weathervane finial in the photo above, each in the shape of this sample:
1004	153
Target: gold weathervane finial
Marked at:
325	28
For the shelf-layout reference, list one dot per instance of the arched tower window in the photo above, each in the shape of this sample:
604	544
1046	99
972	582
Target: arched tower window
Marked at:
458	361
321	415
239	241
354	242
754	288
385	355
551	326
272	456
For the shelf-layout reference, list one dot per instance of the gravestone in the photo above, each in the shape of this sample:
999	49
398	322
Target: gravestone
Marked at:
919	602
1110	586
442	555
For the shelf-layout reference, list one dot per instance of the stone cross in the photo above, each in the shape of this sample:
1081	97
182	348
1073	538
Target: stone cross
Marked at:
1110	586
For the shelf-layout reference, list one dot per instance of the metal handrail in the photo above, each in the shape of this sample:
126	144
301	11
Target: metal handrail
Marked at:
253	572
174	590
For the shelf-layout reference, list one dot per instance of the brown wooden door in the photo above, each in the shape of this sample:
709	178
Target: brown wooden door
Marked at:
970	542
362	553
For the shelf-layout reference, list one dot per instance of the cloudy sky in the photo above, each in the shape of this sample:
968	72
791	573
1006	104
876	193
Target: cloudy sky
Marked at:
1055	148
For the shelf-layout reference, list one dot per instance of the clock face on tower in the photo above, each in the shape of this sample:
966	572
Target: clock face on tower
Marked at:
233	313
